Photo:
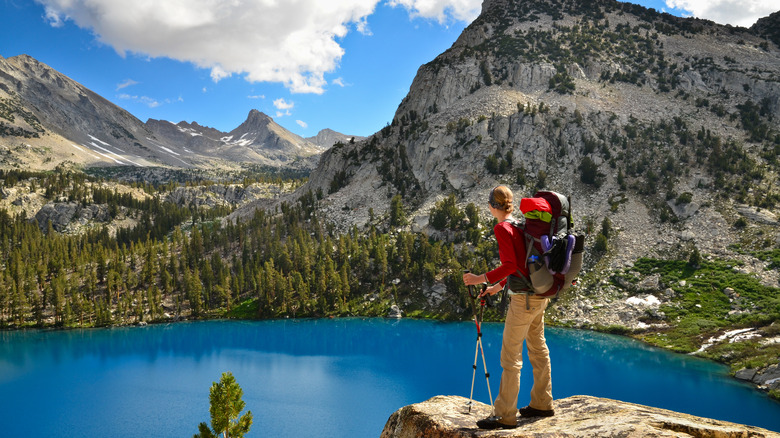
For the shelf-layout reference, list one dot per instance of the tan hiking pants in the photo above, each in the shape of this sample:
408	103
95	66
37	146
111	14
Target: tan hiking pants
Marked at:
524	324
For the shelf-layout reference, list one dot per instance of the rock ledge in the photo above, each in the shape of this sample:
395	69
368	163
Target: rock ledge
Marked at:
576	416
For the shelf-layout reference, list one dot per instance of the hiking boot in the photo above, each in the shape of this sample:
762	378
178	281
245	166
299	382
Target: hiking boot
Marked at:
533	412
493	423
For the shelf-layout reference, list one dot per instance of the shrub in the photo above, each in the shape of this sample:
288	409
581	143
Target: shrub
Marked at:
541	179
684	198
339	180
694	260
589	173
606	227
601	244
562	82
445	214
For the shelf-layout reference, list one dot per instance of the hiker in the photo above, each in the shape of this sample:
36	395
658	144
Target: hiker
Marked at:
524	322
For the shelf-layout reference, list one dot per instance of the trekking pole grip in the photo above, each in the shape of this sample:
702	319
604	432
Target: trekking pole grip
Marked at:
472	293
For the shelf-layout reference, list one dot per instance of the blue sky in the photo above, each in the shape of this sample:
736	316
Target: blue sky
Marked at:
309	64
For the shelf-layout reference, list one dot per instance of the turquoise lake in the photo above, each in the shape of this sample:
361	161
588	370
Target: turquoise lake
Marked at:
326	378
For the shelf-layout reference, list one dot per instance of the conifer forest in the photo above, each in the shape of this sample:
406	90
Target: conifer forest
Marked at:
183	262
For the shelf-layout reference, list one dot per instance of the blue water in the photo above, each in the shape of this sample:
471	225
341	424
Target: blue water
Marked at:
327	378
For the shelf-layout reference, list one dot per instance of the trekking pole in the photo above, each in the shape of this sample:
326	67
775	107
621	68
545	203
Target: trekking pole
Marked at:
479	348
474	367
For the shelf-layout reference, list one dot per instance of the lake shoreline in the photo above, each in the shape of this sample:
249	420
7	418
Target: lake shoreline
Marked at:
603	330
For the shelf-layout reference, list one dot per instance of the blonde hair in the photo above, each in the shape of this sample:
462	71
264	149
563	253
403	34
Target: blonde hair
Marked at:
501	198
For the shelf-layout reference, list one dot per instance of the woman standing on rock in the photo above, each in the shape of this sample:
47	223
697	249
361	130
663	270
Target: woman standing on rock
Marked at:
524	322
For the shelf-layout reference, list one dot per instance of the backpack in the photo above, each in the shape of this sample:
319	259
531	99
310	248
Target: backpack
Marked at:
553	252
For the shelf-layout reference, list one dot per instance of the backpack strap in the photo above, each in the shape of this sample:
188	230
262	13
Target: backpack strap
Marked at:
528	289
553	226
529	246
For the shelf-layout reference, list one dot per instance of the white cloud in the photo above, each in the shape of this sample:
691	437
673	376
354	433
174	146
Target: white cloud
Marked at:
734	12
441	10
293	42
284	107
256	96
302	124
339	81
126	83
148	101
362	27
283	104
53	17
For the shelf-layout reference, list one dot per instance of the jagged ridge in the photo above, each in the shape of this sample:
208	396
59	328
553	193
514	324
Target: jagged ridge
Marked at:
47	118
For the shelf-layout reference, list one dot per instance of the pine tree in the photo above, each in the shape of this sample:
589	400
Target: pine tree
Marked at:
397	215
225	407
194	290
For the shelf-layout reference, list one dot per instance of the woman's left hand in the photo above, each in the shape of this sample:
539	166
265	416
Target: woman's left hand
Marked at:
471	279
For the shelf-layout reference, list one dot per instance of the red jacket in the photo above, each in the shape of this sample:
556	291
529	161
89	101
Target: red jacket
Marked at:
511	251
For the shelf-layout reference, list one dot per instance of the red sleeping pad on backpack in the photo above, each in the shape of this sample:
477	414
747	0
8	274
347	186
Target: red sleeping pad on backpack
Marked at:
538	214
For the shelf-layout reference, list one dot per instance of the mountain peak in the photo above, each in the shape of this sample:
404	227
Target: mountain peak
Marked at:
25	57
256	116
256	121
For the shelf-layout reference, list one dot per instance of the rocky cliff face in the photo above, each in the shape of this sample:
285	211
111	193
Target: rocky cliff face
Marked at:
666	126
551	83
576	416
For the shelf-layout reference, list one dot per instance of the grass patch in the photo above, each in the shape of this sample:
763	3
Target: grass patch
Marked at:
773	257
245	310
669	341
703	305
702	308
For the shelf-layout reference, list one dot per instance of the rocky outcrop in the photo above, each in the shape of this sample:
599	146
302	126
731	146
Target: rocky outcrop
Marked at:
394	312
767	378
65	215
576	416
220	195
